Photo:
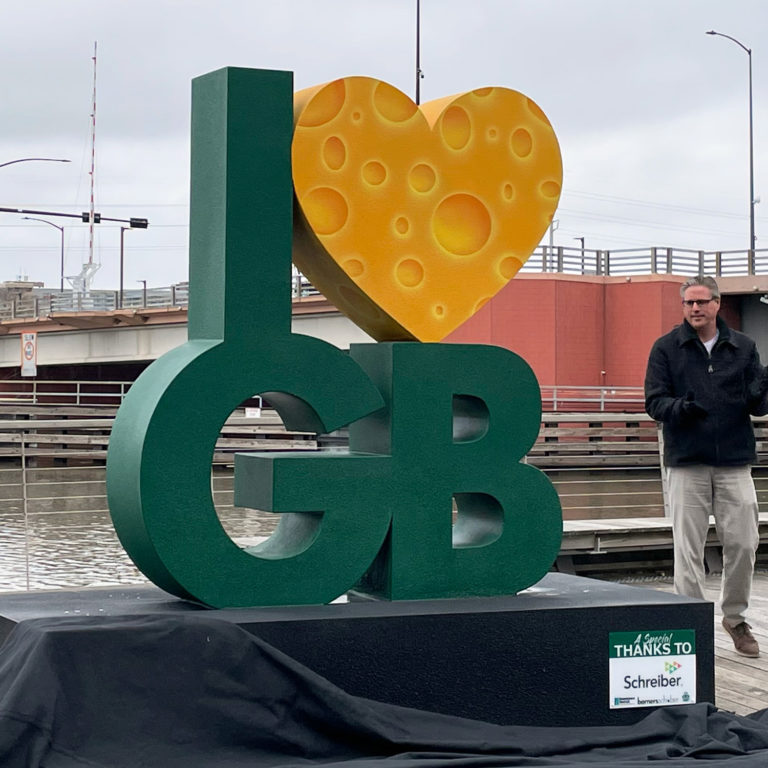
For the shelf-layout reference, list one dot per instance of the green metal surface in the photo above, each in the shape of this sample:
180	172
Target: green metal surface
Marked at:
459	419
430	423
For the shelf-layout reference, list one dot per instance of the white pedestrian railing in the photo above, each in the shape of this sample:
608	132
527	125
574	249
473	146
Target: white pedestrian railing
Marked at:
111	393
648	261
586	399
98	394
45	302
42	302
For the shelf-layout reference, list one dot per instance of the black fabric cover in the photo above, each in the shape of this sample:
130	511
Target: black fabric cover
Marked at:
172	691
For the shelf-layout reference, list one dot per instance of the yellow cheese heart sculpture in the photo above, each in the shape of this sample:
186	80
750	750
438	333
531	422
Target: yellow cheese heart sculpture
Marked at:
410	218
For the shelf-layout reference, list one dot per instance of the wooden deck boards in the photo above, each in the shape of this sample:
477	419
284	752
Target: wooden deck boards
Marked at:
629	533
741	684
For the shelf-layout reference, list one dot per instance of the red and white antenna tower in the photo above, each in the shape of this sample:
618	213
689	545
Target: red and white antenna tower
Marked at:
93	160
81	284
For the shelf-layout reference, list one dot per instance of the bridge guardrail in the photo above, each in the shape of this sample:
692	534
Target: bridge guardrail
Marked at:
567	260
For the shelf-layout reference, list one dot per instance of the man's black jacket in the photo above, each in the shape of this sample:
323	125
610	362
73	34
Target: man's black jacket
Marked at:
730	384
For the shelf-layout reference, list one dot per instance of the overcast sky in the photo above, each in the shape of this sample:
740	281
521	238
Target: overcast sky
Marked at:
651	113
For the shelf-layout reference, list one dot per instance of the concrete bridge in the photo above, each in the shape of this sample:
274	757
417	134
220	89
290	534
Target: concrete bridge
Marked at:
574	329
142	334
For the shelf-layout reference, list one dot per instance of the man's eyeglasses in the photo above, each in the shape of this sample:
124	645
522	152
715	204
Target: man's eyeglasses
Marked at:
697	302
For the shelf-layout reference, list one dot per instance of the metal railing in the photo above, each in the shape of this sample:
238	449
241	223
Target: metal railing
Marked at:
647	261
589	399
300	286
104	394
44	303
566	260
111	393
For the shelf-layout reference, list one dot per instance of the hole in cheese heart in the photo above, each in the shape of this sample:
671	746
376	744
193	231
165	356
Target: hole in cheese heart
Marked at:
509	267
456	128
410	272
410	218
325	106
422	177
402	225
374	173
327	210
354	267
462	224
334	153
550	189
392	104
522	143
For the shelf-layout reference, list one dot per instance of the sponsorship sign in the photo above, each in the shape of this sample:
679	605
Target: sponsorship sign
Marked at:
29	354
654	668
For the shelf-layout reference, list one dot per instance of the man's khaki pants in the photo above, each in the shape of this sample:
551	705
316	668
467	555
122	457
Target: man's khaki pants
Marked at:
727	493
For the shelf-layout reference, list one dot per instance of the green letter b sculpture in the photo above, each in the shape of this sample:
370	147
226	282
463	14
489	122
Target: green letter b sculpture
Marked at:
432	426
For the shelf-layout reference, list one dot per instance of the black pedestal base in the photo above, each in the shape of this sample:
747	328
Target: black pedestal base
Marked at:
538	658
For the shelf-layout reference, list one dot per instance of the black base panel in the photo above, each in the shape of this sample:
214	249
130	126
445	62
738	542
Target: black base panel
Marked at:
537	658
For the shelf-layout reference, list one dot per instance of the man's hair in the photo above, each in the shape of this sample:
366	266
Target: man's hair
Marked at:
703	280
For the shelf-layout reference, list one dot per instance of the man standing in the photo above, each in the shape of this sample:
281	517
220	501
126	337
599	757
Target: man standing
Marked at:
703	381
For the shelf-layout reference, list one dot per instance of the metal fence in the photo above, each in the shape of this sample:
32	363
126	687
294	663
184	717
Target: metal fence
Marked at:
111	393
566	260
42	303
593	399
104	394
648	261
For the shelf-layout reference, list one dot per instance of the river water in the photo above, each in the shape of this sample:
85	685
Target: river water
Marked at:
81	549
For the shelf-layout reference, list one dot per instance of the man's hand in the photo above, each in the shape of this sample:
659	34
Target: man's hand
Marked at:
759	385
691	409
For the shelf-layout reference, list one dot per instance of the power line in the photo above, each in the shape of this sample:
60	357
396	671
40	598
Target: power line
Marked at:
632	222
649	204
103	226
115	205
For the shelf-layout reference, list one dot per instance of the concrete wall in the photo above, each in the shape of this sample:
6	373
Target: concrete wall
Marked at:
754	322
578	330
97	345
637	313
148	342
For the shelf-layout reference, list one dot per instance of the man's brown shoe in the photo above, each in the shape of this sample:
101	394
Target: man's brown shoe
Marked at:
743	640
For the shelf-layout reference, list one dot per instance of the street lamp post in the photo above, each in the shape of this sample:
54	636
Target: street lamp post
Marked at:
582	252
133	224
61	232
751	146
553	225
143	292
120	298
